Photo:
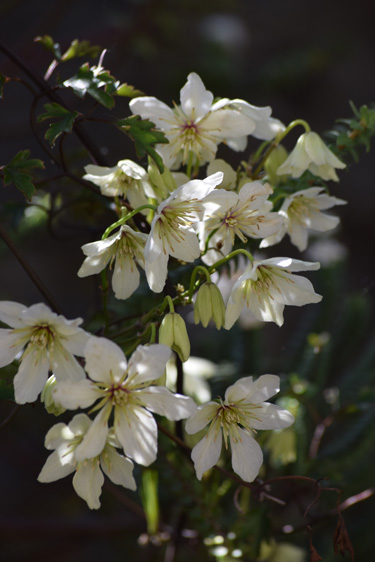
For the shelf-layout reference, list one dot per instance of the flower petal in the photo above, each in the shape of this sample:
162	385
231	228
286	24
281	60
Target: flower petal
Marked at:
64	365
161	401
125	278
118	468
53	469
196	101
94	440
148	363
207	452
137	432
272	416
203	415
11	313
247	456
75	394
32	375
105	361
10	346
88	482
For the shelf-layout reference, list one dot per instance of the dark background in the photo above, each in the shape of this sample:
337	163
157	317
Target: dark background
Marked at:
305	59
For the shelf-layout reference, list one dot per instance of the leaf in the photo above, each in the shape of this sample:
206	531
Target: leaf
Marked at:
48	43
81	49
17	172
144	135
64	125
128	91
90	81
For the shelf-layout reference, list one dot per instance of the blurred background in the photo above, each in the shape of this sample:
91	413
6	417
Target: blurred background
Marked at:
306	60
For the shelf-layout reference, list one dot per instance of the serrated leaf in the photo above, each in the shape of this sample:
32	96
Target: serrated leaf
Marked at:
81	49
128	91
17	172
48	43
89	81
65	123
144	135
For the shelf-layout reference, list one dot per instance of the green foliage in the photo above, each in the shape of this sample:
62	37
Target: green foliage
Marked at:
64	124
75	49
48	43
356	132
144	135
18	173
91	81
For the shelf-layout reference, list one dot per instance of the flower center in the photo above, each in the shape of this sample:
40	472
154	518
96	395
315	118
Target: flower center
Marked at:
118	395
42	336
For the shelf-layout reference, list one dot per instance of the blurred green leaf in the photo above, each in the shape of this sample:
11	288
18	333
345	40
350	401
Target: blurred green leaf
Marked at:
48	43
144	135
64	125
90	81
18	172
128	91
81	49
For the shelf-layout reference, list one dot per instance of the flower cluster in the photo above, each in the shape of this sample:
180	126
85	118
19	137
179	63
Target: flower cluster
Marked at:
206	220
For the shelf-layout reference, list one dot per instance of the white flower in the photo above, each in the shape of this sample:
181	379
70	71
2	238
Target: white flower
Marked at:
125	248
267	286
197	126
88	478
128	390
242	412
310	153
301	212
126	179
231	214
50	341
171	232
230	176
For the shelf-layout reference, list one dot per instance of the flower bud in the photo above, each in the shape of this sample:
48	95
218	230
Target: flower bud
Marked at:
273	162
173	334
209	305
50	403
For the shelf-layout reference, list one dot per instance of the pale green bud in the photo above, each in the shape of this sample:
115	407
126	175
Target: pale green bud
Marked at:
173	334
50	404
209	305
273	162
164	183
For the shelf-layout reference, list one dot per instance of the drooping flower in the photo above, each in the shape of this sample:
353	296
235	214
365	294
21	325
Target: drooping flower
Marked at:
197	126
171	229
311	153
127	389
125	248
243	411
88	478
126	179
49	341
173	333
267	286
229	214
301	212
209	306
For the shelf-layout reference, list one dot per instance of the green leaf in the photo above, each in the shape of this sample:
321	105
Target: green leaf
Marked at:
144	135
17	172
65	122
81	49
128	91
48	43
90	81
3	80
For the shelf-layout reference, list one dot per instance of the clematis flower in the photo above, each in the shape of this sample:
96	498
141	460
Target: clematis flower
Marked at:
266	286
126	179
310	153
49	343
88	478
171	230
127	389
301	212
125	248
244	410
197	126
230	214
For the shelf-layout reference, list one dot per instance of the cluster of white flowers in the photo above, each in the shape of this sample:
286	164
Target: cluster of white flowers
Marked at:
188	219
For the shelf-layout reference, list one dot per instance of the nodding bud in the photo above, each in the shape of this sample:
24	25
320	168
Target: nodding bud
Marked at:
273	162
209	305
50	403
173	334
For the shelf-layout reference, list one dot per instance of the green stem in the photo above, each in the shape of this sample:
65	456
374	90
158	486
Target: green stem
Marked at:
205	271
124	219
167	302
229	257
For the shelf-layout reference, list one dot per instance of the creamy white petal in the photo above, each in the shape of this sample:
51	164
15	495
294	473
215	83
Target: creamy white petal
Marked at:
187	248
76	342
76	394
272	417
207	452
247	456
118	468
294	290
203	415
196	101
105	361
88	482
137	432
64	365
94	440
148	363
156	272
53	469
95	264
11	313
161	401
248	390
80	424
125	278
32	376
149	107
9	348
57	435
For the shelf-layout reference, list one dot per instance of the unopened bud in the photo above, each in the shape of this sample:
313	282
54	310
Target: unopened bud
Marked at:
173	334
273	162
50	403
209	305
